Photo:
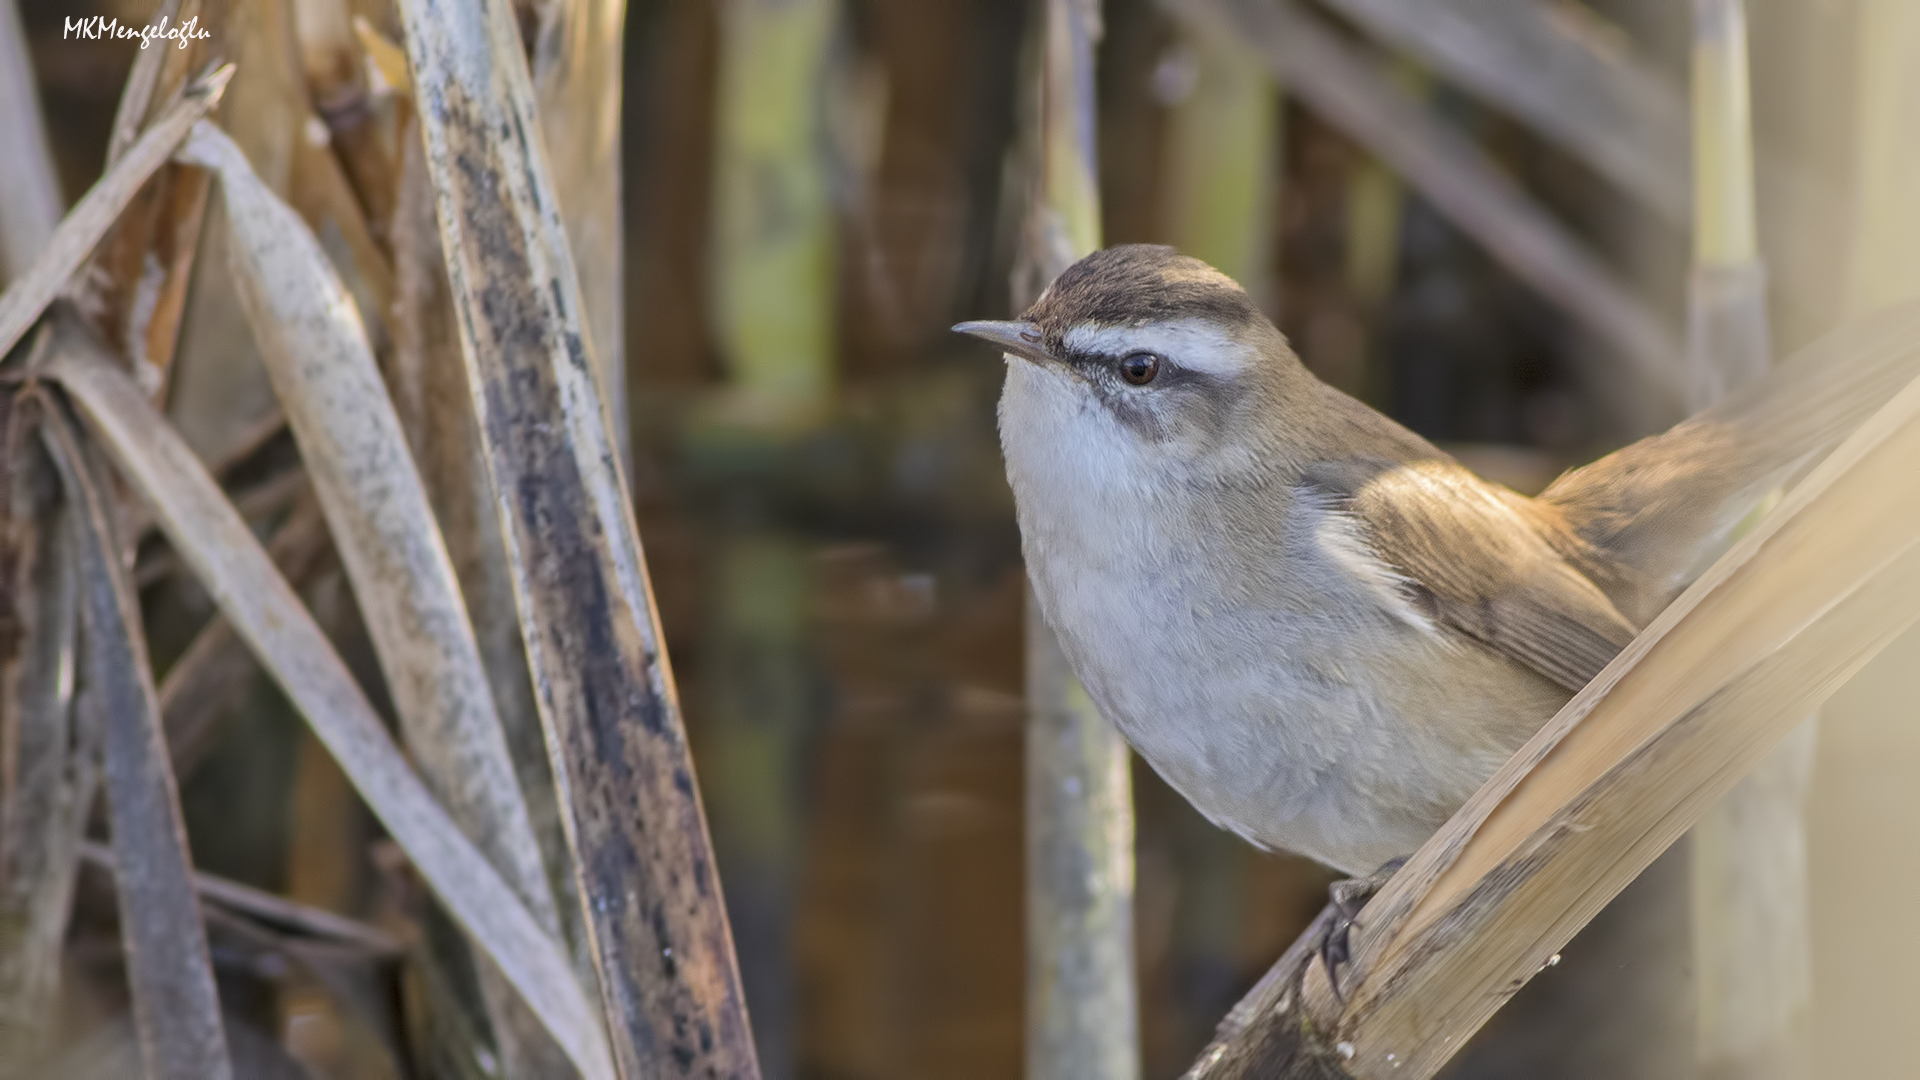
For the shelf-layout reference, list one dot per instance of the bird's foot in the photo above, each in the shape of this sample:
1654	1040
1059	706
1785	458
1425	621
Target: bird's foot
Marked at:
1346	898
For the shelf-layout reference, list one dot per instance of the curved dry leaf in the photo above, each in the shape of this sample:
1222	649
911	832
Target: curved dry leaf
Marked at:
176	1008
204	528
356	456
322	368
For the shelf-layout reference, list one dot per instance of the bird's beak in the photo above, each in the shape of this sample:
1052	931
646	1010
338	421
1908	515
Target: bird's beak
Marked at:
1021	339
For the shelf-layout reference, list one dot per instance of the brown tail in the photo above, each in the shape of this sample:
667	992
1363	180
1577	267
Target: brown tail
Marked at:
1662	505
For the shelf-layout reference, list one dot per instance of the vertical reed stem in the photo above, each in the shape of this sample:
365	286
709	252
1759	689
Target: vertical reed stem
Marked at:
1082	1020
1749	853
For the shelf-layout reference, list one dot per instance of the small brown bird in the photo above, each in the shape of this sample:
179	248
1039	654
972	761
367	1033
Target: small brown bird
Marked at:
1320	629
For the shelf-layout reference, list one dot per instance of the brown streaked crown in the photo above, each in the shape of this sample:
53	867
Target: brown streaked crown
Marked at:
1137	284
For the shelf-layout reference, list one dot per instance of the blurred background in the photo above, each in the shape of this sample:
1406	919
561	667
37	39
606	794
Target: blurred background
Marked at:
813	191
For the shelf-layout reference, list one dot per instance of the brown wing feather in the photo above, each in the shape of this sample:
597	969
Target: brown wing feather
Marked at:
1657	507
1483	560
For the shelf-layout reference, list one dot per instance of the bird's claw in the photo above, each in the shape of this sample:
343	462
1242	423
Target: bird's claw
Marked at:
1346	898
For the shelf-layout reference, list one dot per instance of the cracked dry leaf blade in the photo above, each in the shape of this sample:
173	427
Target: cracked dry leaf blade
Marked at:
601	678
230	563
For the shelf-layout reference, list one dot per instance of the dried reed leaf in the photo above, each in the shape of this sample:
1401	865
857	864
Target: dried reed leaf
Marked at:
153	334
212	677
323	370
255	503
593	638
265	906
33	204
242	581
246	443
1692	704
175	1005
215	387
51	759
1332	78
96	212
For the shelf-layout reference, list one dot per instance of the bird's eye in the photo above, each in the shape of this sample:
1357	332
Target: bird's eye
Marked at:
1140	368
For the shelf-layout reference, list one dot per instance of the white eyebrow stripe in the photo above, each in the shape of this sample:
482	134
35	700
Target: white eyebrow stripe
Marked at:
1194	344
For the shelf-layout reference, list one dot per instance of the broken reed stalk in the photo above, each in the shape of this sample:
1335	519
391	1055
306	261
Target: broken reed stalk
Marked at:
80	231
176	1008
1752	955
160	230
143	83
229	562
1461	182
1692	704
661	943
33	205
1082	1010
316	354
